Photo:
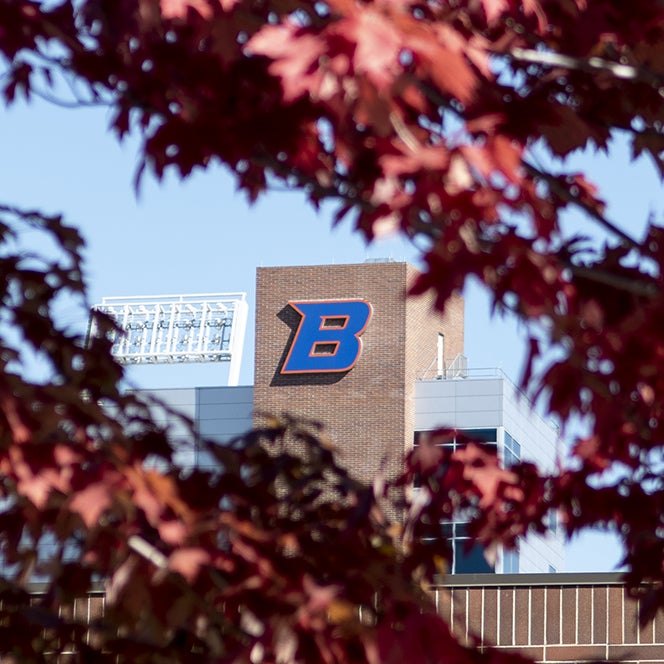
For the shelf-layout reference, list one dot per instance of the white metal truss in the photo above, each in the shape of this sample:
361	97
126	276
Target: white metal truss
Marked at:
177	329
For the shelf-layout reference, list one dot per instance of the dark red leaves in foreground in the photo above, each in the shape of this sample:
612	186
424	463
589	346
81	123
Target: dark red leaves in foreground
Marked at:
439	120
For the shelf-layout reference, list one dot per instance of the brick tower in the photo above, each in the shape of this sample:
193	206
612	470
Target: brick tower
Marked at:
366	400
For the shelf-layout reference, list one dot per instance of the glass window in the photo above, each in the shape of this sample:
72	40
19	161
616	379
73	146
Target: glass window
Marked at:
447	530
487	438
510	458
490	447
470	561
511	562
511	451
485	435
551	521
466	558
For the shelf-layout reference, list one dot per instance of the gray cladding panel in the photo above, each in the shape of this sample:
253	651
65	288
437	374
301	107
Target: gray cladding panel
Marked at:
220	413
433	405
428	421
479	387
479	402
459	403
224	429
438	389
478	419
208	396
179	400
226	411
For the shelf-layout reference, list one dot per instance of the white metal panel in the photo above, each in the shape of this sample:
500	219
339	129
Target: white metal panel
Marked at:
177	329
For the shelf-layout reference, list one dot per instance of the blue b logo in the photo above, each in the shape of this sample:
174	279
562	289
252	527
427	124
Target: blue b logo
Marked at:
328	336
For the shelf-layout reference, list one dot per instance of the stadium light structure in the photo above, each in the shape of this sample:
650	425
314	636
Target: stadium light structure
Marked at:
169	329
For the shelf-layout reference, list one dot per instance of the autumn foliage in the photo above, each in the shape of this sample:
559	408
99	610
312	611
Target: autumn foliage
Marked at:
448	122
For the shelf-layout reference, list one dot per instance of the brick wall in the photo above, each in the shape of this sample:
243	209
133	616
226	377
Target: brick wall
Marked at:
369	410
552	618
423	325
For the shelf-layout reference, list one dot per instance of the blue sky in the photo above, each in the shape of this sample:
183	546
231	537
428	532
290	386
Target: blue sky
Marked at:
195	236
200	236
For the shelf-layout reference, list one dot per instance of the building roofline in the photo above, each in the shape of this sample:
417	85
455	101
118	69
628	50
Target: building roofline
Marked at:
553	579
489	580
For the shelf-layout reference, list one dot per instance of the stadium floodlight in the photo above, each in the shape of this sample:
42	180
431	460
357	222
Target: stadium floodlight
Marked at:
177	329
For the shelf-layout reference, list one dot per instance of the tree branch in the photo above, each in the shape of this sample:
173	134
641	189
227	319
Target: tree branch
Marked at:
640	289
592	64
567	196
